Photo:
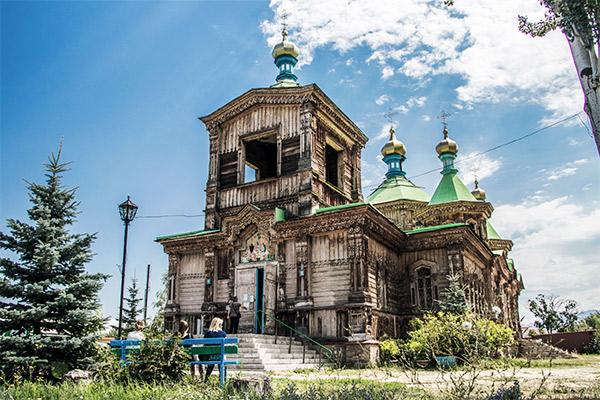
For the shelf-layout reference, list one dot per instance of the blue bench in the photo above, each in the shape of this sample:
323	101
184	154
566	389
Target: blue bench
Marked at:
200	347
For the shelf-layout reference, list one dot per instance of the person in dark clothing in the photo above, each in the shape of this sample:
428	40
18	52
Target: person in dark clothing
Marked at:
233	315
184	330
184	333
214	331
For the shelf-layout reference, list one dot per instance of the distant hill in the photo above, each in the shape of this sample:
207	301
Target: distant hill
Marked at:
586	313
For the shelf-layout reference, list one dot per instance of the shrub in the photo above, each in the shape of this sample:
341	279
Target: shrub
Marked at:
158	359
465	336
593	347
389	350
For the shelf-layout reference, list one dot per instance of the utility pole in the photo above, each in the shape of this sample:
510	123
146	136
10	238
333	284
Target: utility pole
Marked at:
146	295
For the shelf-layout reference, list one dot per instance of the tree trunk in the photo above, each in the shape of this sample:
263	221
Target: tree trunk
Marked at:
586	63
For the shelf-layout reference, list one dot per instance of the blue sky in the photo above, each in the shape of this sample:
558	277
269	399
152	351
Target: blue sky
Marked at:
124	82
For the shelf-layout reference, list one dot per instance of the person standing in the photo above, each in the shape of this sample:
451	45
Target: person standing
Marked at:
214	331
233	315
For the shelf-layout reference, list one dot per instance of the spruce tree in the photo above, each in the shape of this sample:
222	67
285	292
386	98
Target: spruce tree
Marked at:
132	311
49	306
455	302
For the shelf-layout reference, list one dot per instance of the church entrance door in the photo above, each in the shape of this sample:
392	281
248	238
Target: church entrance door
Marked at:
259	324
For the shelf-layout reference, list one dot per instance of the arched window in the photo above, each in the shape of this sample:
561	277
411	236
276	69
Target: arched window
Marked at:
424	288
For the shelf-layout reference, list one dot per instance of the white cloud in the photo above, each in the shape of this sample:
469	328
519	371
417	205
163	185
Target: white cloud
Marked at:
426	117
416	101
384	98
556	249
387	72
564	171
402	109
477	40
471	166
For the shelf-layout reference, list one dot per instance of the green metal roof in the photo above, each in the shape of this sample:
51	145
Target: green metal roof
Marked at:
181	235
326	209
433	228
397	188
491	232
451	189
511	264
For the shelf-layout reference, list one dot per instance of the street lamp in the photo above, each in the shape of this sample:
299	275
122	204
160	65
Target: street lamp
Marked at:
127	211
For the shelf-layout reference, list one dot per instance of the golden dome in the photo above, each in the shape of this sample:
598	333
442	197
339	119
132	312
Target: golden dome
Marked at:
447	145
393	146
478	193
285	48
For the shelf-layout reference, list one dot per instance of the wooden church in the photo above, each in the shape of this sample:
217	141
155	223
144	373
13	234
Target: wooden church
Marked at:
288	232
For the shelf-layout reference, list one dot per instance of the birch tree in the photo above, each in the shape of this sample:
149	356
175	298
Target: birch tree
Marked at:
579	20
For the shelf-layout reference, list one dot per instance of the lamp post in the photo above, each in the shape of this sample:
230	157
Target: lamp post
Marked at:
127	210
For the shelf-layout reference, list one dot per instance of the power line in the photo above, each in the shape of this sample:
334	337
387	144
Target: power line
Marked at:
499	146
424	173
171	215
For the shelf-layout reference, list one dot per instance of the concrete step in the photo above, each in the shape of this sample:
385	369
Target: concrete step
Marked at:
260	352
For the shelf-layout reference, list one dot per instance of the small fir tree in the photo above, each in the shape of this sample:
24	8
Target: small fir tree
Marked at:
455	302
132	311
49	314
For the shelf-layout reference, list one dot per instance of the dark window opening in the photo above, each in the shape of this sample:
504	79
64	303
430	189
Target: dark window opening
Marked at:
302	281
222	263
424	289
228	169
331	165
261	157
290	155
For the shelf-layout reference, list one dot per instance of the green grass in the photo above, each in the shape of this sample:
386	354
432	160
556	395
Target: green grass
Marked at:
109	391
327	384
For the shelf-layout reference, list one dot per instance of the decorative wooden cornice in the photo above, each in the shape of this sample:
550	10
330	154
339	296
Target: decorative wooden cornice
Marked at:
500	244
355	219
283	96
435	210
461	235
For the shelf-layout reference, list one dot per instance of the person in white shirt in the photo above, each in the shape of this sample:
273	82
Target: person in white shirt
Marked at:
136	333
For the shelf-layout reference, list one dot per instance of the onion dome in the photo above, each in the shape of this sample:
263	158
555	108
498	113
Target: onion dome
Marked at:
447	145
285	48
286	56
478	193
393	146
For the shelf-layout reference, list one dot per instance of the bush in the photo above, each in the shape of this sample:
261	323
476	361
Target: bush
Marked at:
465	336
390	350
158	359
593	347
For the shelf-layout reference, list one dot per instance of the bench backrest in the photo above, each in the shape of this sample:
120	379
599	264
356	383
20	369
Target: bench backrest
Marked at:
217	346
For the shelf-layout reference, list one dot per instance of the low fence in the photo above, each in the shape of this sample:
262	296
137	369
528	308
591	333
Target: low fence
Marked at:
570	341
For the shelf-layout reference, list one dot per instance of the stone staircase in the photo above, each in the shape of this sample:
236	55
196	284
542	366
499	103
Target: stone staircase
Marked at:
261	353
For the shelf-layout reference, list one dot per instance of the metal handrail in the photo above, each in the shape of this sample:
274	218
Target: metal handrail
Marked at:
299	333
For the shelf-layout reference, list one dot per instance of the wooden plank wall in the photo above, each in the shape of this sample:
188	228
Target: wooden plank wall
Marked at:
191	282
329	269
291	275
257	119
249	193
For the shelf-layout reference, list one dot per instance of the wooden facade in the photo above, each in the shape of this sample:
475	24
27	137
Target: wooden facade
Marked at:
295	240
